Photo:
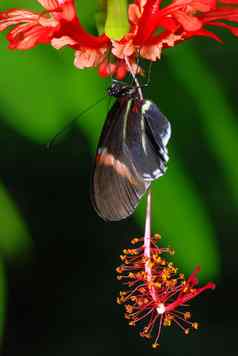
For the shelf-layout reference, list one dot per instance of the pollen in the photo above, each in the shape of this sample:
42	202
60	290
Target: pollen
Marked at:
119	269
195	326
155	346
187	315
156	295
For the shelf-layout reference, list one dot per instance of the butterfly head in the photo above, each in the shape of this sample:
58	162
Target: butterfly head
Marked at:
118	89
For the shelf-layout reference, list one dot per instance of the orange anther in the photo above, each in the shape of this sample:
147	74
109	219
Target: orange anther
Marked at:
134	241
119	269
195	325
187	316
155	346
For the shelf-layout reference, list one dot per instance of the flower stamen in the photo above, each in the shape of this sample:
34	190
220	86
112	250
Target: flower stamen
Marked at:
157	292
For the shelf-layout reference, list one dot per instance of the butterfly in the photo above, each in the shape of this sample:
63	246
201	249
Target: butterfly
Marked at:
131	153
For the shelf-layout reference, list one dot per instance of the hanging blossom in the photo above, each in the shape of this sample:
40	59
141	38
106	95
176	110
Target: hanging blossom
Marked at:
58	25
158	294
153	27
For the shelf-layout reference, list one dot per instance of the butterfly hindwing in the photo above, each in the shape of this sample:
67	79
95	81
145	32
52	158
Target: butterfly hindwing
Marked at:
158	127
147	132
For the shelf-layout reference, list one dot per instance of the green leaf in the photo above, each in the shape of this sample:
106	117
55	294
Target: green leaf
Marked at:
42	91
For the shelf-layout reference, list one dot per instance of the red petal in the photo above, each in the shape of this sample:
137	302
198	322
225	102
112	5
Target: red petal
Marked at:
188	296
13	17
86	58
69	11
27	36
168	23
50	4
189	23
233	29
156	39
69	26
229	1
204	33
203	5
221	14
188	292
75	31
147	21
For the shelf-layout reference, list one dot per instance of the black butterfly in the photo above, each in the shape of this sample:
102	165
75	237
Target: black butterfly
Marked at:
131	153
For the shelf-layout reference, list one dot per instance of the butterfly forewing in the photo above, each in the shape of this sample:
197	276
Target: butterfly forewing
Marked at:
117	186
131	153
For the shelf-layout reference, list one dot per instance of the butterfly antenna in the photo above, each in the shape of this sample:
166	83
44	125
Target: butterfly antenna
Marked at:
51	143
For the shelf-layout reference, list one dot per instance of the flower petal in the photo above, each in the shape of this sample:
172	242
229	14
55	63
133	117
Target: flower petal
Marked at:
50	4
86	58
147	21
227	14
152	52
26	36
203	5
69	11
122	50
13	17
134	13
189	22
232	29
62	42
229	1
204	33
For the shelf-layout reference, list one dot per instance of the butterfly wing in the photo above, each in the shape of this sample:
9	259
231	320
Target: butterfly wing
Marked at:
117	186
158	127
148	132
131	153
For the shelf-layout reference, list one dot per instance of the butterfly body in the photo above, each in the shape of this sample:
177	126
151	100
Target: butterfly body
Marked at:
131	153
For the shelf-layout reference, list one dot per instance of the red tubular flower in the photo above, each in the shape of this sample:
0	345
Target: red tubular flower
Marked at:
157	293
59	26
152	28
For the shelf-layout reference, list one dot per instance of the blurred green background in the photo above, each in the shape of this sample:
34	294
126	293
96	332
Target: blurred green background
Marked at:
57	279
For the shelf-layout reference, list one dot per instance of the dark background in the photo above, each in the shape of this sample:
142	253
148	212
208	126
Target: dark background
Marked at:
58	259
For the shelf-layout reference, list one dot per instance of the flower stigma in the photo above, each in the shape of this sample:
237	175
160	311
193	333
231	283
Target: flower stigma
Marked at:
161	309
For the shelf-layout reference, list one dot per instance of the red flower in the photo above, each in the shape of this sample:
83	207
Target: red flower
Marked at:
152	28
59	26
180	20
158	294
